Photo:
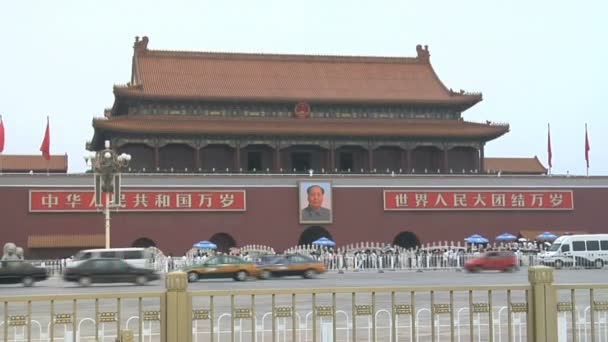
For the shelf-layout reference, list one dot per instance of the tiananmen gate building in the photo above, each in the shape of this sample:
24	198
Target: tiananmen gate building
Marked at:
226	147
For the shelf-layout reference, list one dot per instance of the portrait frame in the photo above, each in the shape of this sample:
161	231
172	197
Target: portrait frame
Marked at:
303	203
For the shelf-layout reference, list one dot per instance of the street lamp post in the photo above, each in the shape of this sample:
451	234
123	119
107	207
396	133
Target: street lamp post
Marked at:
107	166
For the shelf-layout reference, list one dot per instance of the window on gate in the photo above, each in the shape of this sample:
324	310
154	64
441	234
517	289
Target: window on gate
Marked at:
593	245
254	161
301	161
578	246
347	161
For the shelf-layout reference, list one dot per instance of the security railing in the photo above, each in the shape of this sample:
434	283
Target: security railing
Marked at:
83	317
539	311
362	314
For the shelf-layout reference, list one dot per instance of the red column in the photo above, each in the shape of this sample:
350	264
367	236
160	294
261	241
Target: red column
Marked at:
277	158
445	160
408	154
197	158
237	158
332	157
156	157
481	160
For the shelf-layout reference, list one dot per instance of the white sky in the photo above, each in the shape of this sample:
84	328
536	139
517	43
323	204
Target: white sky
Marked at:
536	62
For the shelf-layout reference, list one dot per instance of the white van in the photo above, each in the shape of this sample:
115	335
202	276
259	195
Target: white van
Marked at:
138	257
577	250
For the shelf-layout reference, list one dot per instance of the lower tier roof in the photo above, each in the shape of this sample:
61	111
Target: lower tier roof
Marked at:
421	128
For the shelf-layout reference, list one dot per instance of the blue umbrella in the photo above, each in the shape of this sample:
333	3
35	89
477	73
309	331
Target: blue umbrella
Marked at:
546	236
506	237
205	245
476	238
324	242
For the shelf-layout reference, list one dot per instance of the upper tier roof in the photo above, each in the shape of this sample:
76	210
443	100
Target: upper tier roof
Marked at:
178	75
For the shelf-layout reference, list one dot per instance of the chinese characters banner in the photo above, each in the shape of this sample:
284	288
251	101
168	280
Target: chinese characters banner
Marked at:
187	200
478	200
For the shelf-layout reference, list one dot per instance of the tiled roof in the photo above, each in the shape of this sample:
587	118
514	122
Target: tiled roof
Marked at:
514	165
263	77
65	241
35	163
292	126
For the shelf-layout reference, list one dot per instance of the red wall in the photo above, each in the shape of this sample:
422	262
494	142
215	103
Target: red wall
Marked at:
272	219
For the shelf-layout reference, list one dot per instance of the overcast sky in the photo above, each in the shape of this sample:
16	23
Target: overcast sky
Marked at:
536	62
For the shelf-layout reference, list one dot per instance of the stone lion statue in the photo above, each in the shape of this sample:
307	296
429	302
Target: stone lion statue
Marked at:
19	253
10	251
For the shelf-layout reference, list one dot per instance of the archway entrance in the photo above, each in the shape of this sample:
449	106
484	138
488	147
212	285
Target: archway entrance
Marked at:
223	241
313	233
143	242
406	240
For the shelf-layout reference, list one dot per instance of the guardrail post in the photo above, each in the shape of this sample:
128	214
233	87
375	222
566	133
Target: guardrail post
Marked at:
126	336
542	305
178	308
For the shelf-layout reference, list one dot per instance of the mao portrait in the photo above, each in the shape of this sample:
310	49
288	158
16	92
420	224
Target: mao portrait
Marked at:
315	202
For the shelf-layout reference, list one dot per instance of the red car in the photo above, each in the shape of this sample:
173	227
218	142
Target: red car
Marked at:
493	261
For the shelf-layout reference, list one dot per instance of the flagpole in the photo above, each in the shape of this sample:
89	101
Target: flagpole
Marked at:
549	152
48	161
586	149
2	143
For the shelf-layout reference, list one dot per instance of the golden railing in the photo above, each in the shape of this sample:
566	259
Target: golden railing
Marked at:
397	302
539	311
90	316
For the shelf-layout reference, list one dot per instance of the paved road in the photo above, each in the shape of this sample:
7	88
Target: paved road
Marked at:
348	279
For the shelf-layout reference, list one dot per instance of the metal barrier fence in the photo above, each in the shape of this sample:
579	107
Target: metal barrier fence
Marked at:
342	263
363	314
87	317
408	262
539	311
396	262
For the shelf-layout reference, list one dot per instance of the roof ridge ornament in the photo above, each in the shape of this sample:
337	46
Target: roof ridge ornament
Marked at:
141	45
423	54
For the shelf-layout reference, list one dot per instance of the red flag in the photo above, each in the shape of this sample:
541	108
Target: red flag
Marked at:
45	147
1	135
549	153
587	146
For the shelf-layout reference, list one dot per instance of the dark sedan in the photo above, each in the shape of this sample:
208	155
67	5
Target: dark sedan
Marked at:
108	271
289	265
19	271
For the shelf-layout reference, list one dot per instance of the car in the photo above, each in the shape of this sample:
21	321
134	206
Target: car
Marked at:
20	271
505	261
138	257
289	265
221	266
108	270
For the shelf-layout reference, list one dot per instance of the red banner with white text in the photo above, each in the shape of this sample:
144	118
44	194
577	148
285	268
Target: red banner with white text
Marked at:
478	200
186	200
